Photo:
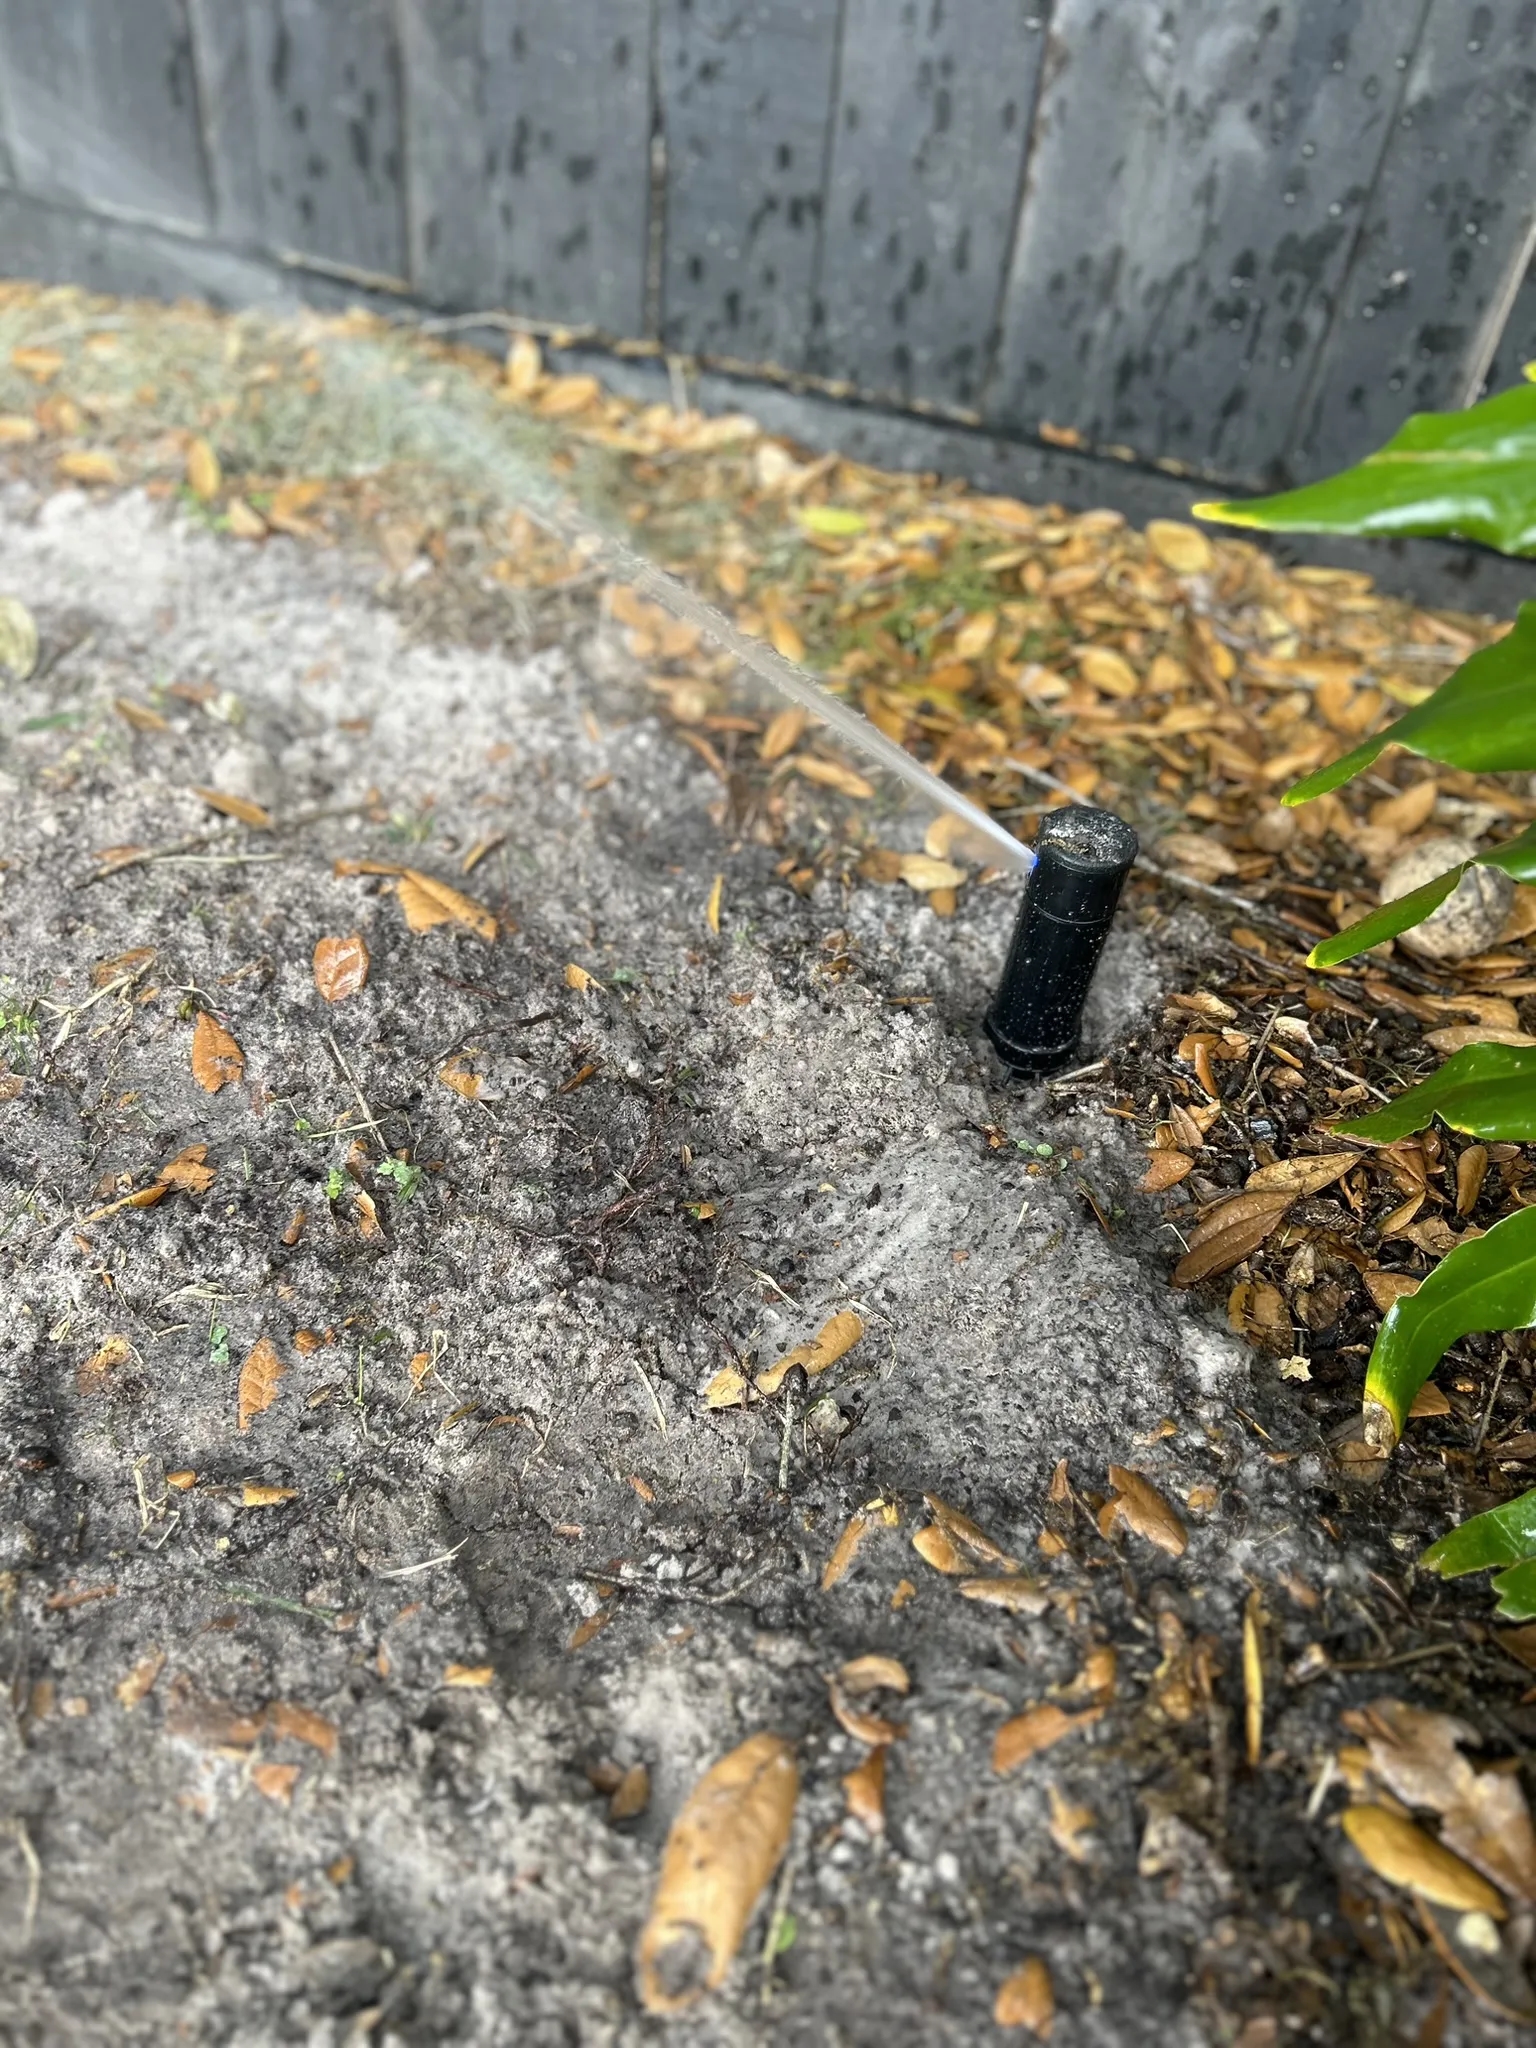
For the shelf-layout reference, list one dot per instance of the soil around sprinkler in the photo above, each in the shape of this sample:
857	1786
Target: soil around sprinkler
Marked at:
310	1722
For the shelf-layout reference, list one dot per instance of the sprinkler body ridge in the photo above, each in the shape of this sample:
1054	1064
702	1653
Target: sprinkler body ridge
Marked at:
1082	858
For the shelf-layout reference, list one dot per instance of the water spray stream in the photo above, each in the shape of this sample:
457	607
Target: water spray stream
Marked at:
521	481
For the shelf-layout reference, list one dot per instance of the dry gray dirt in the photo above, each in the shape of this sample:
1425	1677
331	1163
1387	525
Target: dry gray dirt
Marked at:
445	1871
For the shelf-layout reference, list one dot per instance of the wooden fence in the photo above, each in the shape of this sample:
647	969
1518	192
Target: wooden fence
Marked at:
1238	240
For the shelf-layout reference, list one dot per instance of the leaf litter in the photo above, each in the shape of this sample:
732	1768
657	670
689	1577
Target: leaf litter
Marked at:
1019	677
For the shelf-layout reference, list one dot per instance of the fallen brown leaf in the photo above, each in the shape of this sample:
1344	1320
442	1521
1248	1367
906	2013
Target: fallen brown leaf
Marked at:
1227	1236
188	1171
90	466
783	733
302	1724
275	1782
469	1677
870	1673
255	1495
723	1847
139	716
585	1631
1165	1169
1137	1503
1404	1854
461	1079
366	1210
140	1681
428	902
832	775
260	1376
839	1334
864	1791
216	1058
935	1548
205	478
92	1374
341	966
1026	2000
579	979
846	1548
968	1535
240	807
862	1723
1416	1754
1037	1728
1305	1176
1012	1592
632	1794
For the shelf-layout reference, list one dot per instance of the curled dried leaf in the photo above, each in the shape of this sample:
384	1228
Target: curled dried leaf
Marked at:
1137	1503
862	1723
835	1336
188	1171
935	1548
1014	1593
872	1672
92	1374
846	1548
1165	1169
723	1847
965	1533
1404	1854
728	1389
783	733
864	1791
833	775
1037	1728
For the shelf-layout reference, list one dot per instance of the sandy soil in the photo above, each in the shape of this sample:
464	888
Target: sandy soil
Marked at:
770	1133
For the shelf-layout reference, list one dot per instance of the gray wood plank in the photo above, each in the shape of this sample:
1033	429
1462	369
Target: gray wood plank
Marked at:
529	152
747	88
1447	223
1197	175
221	53
935	100
101	105
324	84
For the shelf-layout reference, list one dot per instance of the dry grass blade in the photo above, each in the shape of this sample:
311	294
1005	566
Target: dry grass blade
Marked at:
260	1377
1253	1678
721	1850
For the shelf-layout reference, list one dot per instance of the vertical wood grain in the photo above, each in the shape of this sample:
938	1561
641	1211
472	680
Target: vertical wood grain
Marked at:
935	99
746	89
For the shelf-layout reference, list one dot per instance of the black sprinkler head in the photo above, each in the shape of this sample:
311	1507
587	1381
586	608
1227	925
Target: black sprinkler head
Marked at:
1082	857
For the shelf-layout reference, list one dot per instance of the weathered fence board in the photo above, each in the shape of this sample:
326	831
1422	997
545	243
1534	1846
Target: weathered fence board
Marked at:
324	112
927	153
1443	237
1242	241
102	105
529	155
1196	180
747	89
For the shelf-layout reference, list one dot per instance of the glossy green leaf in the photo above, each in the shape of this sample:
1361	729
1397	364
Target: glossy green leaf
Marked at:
1400	915
1517	858
1505	1535
1486	1283
1488	1091
1516	1589
1471	473
1483	718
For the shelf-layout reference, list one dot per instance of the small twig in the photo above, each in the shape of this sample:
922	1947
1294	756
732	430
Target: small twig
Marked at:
17	1827
369	1118
664	1591
428	1564
1400	1657
1077	1074
195	841
645	1381
1482	1427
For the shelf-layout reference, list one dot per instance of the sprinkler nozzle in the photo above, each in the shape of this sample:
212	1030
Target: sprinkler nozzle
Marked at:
1082	859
